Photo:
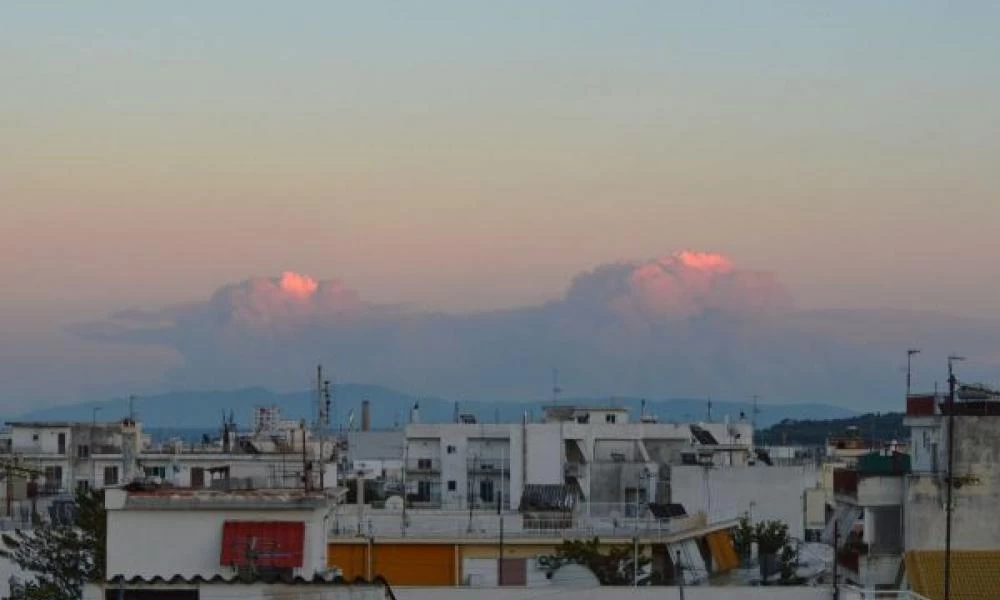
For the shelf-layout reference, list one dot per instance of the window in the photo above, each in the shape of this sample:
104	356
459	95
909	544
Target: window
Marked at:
609	418
423	491
110	475
160	472
83	485
83	451
451	449
486	491
34	437
451	485
61	440
424	463
53	478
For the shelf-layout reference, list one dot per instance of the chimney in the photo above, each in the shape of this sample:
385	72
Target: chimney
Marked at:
366	417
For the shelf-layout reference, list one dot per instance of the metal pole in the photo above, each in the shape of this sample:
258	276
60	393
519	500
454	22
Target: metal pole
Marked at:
93	435
836	534
319	421
952	381
635	560
909	356
680	575
500	553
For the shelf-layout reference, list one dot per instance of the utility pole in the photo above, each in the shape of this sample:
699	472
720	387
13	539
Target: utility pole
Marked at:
709	410
836	534
556	390
319	419
323	423
500	514
952	382
909	360
635	560
90	453
305	463
680	575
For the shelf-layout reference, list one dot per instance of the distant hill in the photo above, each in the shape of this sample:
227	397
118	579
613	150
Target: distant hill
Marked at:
814	432
186	410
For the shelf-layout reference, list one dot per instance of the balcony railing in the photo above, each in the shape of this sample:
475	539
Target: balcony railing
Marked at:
423	465
487	466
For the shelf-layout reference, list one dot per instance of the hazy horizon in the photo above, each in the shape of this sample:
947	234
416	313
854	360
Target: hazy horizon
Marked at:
455	166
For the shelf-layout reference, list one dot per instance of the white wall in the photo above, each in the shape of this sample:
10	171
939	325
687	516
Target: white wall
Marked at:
976	495
726	492
544	455
616	593
276	591
22	439
189	542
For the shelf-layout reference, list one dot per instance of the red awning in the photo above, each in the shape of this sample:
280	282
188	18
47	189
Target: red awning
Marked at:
263	543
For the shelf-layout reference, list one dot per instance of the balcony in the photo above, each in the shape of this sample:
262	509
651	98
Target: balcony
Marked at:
853	487
488	466
423	465
869	567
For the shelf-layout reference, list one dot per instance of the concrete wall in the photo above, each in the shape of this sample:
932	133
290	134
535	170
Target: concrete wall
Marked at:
615	593
726	493
276	591
189	542
544	460
976	494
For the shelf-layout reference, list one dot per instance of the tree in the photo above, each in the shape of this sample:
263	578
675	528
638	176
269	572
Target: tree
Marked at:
775	550
743	538
617	567
62	556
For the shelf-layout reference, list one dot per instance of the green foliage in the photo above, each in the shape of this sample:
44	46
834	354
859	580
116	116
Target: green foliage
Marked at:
887	426
617	567
771	536
61	557
772	541
787	561
743	537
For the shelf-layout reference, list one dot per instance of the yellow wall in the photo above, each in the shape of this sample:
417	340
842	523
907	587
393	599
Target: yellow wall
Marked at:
350	558
399	564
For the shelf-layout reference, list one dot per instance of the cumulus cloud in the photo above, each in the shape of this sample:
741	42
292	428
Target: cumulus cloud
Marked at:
687	324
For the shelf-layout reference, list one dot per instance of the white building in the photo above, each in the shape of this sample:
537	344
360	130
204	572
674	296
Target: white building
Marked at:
193	544
609	459
66	456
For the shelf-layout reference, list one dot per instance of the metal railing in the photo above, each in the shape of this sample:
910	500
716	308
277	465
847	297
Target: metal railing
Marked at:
483	527
423	465
850	592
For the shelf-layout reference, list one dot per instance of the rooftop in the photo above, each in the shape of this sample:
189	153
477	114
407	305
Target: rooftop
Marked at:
974	573
173	498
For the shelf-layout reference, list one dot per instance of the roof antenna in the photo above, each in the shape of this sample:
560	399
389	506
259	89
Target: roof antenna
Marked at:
556	390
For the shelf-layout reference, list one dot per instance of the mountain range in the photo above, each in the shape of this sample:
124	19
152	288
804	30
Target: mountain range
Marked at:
390	408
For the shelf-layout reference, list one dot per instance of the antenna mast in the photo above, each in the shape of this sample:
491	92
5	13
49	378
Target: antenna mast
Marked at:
556	390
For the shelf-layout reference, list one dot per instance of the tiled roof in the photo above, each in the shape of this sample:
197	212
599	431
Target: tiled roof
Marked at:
975	574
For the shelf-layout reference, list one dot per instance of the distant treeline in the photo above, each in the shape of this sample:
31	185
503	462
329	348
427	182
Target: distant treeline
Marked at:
883	426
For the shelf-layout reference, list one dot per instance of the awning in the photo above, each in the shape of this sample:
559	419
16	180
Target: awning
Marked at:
263	543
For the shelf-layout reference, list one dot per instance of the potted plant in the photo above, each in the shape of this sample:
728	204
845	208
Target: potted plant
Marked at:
771	537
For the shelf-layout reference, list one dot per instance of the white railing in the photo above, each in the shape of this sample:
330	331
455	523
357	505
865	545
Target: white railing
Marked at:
481	527
850	592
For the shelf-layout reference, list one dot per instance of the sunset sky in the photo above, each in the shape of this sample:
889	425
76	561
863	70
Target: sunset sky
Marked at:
470	156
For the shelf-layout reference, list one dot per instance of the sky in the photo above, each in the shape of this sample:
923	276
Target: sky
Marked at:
469	157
